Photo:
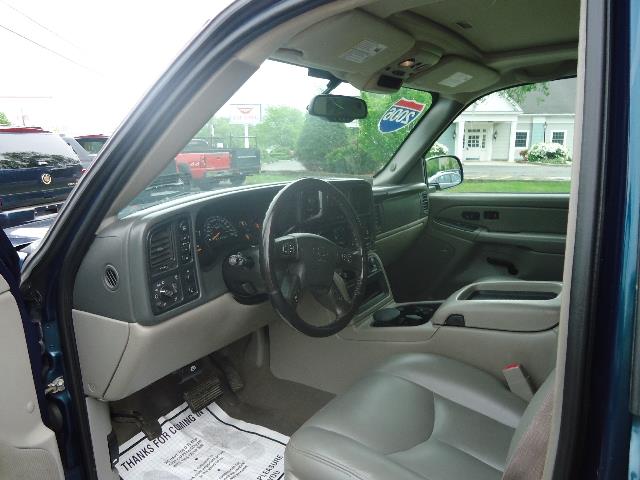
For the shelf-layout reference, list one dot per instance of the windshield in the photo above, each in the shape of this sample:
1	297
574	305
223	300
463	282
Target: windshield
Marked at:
264	134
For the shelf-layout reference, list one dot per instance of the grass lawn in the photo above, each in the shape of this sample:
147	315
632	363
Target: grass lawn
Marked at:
513	186
468	186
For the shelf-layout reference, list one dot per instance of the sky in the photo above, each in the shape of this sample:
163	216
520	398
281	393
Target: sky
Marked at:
95	61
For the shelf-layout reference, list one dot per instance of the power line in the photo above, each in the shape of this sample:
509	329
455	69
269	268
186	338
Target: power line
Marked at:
40	24
47	49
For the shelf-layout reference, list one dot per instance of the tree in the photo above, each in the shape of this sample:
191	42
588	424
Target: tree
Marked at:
3	119
519	93
380	147
223	131
280	128
317	139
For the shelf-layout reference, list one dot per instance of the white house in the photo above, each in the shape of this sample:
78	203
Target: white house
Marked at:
496	128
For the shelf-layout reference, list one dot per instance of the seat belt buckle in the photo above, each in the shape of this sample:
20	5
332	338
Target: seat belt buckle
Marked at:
518	381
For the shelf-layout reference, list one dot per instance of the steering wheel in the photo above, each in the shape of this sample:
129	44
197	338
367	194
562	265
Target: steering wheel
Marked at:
295	265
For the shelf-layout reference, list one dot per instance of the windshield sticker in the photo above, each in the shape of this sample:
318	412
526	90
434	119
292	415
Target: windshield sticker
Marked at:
402	113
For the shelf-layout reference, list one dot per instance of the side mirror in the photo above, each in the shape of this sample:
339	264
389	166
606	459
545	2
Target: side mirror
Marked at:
337	108
443	171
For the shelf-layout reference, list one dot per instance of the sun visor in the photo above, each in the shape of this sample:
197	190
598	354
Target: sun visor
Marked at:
353	42
455	75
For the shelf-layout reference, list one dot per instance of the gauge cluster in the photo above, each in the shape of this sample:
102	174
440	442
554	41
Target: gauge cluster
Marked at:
230	224
222	234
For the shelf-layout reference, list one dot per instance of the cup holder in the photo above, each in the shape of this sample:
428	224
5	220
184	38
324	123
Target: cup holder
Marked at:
410	315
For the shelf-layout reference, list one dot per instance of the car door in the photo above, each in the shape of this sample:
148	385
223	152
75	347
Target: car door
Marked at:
471	237
508	219
28	448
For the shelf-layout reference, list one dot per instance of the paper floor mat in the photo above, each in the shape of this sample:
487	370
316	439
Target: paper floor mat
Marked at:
209	444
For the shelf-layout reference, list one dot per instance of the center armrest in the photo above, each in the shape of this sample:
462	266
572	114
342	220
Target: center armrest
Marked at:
516	306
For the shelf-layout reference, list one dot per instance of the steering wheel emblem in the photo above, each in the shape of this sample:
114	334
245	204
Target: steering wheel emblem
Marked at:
46	178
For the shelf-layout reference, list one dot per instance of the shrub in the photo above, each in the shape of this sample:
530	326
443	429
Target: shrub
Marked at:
280	153
352	160
437	149
317	139
548	153
524	154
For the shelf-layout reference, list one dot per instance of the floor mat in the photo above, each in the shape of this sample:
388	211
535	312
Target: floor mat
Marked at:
208	444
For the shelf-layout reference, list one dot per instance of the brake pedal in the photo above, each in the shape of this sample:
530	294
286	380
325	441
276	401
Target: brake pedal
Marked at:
234	380
203	394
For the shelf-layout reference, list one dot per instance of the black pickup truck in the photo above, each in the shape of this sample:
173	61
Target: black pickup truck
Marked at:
36	168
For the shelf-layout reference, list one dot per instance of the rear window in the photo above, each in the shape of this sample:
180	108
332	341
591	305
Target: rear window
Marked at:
92	145
29	150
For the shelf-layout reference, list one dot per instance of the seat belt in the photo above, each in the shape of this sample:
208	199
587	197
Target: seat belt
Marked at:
527	462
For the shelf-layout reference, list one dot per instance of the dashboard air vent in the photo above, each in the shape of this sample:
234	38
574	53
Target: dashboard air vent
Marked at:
111	277
161	250
424	203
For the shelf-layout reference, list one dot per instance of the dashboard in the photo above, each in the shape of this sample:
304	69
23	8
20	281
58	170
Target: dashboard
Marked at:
151	293
171	257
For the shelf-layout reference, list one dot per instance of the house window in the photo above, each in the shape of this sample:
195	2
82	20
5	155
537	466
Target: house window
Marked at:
473	141
558	137
521	139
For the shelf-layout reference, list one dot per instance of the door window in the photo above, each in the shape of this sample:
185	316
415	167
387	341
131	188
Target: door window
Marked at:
518	140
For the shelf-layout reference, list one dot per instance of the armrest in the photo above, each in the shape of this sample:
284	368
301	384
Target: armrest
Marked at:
515	306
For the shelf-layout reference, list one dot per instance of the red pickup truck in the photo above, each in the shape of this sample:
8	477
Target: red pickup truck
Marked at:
208	165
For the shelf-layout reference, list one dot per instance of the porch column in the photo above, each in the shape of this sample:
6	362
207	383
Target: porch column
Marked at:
512	140
459	152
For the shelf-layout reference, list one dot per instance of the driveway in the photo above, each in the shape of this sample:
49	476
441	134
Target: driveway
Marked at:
515	171
472	170
283	166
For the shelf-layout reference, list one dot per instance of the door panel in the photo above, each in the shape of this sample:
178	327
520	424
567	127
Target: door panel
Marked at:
470	237
28	448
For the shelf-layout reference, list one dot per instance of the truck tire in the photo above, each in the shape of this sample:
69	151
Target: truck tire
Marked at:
239	180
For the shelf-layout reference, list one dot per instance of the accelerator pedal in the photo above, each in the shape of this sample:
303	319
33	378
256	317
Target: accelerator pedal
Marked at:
232	376
203	393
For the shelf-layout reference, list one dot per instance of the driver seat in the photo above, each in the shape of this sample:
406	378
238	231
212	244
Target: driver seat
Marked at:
416	417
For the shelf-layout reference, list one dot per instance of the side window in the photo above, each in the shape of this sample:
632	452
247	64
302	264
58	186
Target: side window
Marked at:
518	140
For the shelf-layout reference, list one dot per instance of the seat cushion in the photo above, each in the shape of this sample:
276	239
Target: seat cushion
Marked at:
417	416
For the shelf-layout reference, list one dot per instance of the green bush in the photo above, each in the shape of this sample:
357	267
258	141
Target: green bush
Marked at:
437	149
317	139
280	153
352	160
548	153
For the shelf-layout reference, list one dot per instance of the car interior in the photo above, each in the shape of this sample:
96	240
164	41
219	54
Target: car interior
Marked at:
392	330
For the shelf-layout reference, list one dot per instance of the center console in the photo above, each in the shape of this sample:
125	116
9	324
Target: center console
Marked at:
514	306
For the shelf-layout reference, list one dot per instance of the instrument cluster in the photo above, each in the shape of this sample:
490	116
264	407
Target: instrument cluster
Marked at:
217	233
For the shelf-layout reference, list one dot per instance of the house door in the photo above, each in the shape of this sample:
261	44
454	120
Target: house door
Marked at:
477	141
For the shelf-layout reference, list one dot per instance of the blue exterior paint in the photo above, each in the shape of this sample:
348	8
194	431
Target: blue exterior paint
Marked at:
632	183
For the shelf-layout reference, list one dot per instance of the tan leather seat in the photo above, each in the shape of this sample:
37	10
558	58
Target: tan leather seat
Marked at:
416	417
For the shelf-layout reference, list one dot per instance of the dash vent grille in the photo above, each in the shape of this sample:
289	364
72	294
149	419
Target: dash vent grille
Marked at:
111	277
162	254
424	203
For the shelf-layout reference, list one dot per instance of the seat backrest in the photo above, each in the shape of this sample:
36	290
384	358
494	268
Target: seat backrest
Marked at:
532	418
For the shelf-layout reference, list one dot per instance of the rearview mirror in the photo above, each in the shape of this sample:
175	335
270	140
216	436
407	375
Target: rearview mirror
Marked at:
338	108
444	171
